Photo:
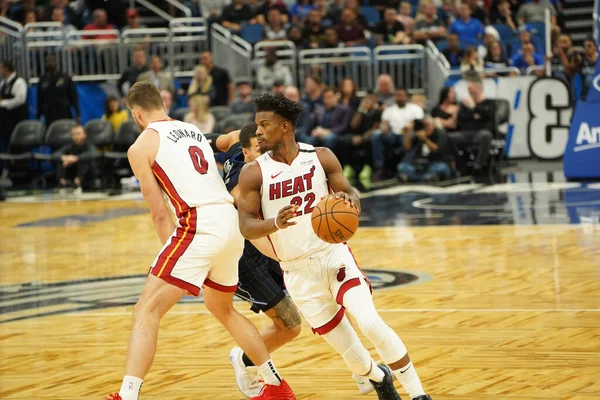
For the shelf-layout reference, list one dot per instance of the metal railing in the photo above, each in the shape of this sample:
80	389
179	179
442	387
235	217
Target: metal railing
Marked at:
333	65
437	72
11	44
405	64
93	54
188	37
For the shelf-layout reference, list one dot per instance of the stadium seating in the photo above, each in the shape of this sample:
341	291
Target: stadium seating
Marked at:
371	14
100	132
252	33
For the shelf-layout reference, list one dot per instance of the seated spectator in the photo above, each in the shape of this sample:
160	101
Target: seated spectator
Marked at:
159	78
221	80
75	165
585	65
100	23
348	96
113	113
202	83
58	15
305	120
275	28
381	5
368	116
385	91
278	87
272	71
405	17
535	11
19	14
476	11
453	53
334	11
468	29
504	15
389	30
349	31
294	35
445	113
495	57
243	102
30	18
313	32
167	98
476	122
131	74
211	9
427	154
322	7
299	10
528	58
69	14
396	121
314	95
429	26
133	20
331	120
471	62
262	12
200	115
354	5
561	62
331	40
235	15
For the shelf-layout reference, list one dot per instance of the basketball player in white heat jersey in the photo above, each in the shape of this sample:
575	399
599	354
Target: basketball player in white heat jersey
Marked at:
174	161
284	184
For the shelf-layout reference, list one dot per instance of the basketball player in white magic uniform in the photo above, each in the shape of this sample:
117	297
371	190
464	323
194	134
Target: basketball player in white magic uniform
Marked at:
284	184
173	160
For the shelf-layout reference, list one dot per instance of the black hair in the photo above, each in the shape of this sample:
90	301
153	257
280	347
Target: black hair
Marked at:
276	103
109	99
589	39
247	133
444	94
7	64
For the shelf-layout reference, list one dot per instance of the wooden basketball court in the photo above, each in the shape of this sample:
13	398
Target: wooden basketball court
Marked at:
495	312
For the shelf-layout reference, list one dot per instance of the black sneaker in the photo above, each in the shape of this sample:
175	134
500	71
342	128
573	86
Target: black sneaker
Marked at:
385	389
423	397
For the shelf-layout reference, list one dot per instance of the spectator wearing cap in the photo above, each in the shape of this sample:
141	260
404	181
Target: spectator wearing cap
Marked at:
275	29
272	71
467	28
100	23
243	102
235	15
349	31
429	26
133	20
221	80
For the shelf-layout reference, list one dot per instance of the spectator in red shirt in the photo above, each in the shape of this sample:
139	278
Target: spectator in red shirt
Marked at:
349	31
100	24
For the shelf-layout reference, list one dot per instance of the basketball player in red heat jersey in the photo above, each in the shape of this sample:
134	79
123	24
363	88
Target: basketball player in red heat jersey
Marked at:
173	160
278	192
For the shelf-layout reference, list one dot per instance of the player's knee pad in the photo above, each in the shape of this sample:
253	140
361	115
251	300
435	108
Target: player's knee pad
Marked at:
374	329
357	359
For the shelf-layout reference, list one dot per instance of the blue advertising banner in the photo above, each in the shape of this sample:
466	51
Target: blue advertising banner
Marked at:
582	156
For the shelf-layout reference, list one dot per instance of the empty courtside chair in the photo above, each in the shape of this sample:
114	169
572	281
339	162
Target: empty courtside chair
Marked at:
27	136
220	112
100	132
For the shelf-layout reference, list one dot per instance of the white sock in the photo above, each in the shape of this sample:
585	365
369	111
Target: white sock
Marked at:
410	381
269	373
130	389
376	374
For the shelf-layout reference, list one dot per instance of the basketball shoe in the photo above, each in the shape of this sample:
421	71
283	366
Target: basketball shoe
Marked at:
364	385
114	396
281	392
385	389
248	378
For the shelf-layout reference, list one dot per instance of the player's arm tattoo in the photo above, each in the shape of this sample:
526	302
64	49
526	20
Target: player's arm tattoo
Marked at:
286	312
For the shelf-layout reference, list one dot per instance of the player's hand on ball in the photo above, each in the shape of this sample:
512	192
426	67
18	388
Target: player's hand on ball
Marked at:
347	199
284	218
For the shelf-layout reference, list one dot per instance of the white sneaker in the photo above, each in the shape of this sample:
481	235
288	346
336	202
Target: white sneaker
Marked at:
248	378
364	385
77	192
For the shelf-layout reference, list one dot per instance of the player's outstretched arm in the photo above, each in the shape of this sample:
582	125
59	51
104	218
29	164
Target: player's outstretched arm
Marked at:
140	155
335	177
251	226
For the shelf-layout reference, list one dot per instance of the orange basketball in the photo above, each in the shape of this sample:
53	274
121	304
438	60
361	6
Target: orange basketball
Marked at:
334	221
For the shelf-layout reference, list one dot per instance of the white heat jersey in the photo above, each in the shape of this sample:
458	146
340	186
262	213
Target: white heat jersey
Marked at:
185	167
302	183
